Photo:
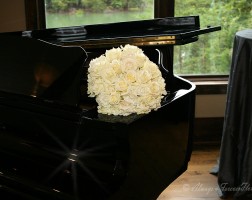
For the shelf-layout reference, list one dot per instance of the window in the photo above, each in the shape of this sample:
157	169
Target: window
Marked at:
60	13
211	55
40	12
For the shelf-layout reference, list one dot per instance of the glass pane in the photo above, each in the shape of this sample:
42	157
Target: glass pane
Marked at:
62	13
212	53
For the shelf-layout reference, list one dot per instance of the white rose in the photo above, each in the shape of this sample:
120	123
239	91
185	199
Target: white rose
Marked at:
121	86
143	76
152	68
116	66
114	98
130	76
128	63
113	54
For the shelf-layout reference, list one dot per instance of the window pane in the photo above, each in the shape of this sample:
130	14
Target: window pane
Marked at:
212	53
62	13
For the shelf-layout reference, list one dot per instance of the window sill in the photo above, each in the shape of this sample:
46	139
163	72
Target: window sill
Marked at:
212	84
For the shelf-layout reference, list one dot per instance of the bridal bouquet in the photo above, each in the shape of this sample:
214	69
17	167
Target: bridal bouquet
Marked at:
125	81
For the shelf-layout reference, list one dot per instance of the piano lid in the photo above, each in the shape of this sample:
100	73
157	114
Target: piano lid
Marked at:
160	31
30	67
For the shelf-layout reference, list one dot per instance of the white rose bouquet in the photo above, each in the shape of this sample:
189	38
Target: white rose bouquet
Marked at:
125	81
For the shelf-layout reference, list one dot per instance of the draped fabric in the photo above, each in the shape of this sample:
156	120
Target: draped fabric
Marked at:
235	167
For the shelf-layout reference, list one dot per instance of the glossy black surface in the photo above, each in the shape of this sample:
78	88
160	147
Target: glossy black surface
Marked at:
161	31
39	69
97	157
54	144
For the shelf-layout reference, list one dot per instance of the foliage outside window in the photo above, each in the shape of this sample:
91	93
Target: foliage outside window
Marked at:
212	53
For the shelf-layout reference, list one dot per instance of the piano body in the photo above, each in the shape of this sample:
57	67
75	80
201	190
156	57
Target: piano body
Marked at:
54	144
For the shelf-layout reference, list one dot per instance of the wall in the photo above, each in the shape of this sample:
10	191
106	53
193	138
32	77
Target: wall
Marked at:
12	15
210	106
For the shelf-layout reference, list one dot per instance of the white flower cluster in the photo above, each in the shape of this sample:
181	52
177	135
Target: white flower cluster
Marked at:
125	81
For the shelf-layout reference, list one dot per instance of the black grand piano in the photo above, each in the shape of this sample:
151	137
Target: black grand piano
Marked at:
53	142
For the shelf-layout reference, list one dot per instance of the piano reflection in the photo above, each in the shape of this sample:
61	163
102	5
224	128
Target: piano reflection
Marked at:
53	142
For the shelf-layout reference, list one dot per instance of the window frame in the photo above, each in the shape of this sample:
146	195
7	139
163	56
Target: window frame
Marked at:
207	84
35	14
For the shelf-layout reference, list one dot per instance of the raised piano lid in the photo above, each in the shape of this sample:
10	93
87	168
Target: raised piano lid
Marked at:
159	31
39	71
